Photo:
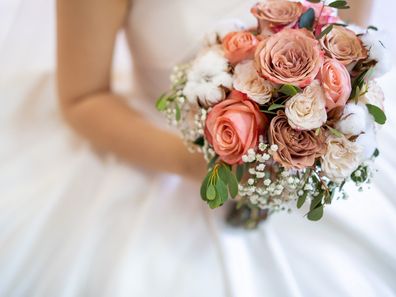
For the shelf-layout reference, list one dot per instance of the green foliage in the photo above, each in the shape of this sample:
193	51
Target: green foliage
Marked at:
316	214
162	102
275	106
289	90
335	132
314	1
339	4
200	141
377	113
307	19
376	153
326	31
218	185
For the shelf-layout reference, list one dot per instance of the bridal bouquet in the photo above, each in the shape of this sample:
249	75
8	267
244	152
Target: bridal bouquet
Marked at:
284	112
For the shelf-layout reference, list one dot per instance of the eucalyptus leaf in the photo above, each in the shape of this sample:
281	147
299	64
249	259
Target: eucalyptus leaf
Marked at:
213	161
178	113
326	31
222	190
315	202
314	1
275	106
301	199
240	171
233	185
288	90
211	192
204	186
338	4
307	19
316	214
162	103
376	153
200	141
377	113
224	173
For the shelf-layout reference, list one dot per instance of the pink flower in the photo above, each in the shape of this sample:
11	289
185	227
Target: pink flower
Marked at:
336	83
292	56
324	14
275	15
233	127
239	46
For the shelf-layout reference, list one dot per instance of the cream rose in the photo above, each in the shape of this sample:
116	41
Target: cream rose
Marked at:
336	83
276	14
341	159
307	110
374	95
292	56
247	81
343	45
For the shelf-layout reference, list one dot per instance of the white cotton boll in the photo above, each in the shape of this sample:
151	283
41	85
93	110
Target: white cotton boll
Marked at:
377	42
355	119
368	143
374	95
207	78
221	29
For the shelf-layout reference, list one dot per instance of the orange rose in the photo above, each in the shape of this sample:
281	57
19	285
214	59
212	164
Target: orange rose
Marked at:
297	149
277	14
239	46
336	83
343	45
292	56
233	127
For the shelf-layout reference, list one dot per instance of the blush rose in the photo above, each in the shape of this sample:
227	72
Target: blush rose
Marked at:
233	127
239	46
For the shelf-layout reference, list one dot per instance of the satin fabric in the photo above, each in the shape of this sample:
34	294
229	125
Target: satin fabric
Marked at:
76	223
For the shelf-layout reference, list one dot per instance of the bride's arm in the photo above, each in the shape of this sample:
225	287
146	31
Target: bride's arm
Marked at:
359	13
86	35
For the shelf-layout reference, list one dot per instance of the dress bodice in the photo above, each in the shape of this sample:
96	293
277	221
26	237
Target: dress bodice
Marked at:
162	34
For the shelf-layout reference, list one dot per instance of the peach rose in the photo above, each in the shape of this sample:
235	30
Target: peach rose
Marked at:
297	149
233	127
343	45
239	46
336	83
292	56
277	14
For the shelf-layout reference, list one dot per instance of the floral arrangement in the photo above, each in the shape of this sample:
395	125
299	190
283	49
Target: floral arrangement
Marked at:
285	112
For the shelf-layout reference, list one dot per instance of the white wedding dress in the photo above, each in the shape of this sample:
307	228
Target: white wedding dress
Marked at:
74	223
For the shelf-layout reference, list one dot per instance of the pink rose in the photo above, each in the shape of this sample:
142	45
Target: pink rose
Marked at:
292	56
233	127
343	44
324	14
277	14
336	83
239	46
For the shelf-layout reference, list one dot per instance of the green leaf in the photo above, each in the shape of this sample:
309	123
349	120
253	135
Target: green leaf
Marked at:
211	192
372	28
316	214
315	202
178	114
288	90
222	190
233	185
224	173
162	102
275	106
376	153
335	132
326	31
200	141
338	4
307	19
204	186
301	199
377	113
213	161
240	171
314	1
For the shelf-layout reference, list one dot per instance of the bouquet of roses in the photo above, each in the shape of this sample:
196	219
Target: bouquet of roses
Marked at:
286	111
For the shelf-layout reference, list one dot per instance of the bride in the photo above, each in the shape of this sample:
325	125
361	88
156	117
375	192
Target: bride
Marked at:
135	225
